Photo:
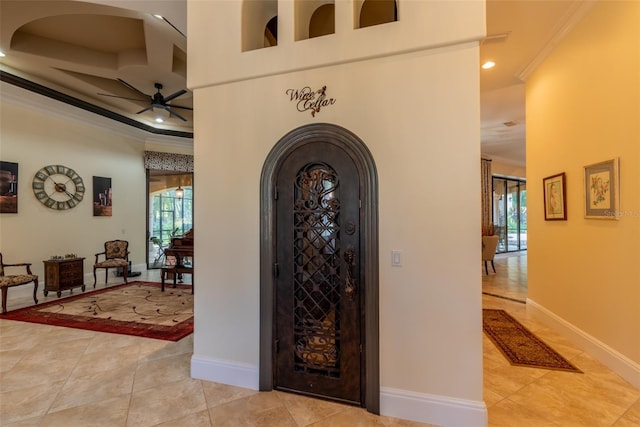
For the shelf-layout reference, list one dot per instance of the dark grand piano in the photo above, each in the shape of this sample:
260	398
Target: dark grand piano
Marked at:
179	259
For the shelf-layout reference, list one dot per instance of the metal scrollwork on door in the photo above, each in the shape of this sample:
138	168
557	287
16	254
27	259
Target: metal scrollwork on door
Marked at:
317	271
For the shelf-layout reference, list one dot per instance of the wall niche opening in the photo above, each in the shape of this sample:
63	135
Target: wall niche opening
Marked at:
375	12
259	24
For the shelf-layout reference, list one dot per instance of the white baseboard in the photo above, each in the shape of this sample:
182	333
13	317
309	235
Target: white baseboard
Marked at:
618	363
432	409
408	405
225	372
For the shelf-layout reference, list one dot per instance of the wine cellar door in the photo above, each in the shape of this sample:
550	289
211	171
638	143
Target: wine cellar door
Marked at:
318	290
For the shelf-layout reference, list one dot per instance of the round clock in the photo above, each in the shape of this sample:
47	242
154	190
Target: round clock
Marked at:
58	187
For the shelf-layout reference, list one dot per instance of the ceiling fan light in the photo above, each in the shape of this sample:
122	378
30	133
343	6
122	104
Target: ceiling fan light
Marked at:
159	119
179	192
2	55
157	15
488	64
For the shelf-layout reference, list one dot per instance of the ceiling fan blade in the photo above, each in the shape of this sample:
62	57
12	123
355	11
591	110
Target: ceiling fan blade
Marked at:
174	95
123	97
173	113
180	106
133	88
145	109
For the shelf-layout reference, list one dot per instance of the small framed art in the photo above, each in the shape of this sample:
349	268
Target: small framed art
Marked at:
8	187
555	197
601	190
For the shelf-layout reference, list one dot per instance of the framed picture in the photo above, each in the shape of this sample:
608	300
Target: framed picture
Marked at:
555	197
8	187
102	197
601	190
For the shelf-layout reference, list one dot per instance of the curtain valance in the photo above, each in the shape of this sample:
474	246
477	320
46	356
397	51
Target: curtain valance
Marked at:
168	161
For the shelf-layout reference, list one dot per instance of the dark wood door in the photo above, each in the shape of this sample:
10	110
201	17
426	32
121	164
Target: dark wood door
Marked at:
318	292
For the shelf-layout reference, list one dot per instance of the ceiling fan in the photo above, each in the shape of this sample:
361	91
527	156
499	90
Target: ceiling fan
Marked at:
157	100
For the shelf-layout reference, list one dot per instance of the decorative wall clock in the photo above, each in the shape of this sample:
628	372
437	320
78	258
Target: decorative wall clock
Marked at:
58	187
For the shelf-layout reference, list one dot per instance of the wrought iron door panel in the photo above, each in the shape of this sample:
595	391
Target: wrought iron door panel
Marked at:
317	303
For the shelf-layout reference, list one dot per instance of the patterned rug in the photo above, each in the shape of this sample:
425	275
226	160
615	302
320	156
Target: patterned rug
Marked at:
519	345
137	308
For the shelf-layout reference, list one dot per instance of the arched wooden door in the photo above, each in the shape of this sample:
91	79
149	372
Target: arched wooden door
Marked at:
319	267
317	325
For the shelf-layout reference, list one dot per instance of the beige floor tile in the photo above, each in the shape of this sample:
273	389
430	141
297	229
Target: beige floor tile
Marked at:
109	360
633	413
306	410
218	394
199	419
156	372
27	402
358	417
103	413
166	403
28	374
509	414
95	387
261	409
571	399
623	422
28	422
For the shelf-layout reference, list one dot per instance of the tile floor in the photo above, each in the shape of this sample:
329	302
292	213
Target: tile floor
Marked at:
84	378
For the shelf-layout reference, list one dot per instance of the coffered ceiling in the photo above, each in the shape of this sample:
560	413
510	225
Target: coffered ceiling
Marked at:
112	55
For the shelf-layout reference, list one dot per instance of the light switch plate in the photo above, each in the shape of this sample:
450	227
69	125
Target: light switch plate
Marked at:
396	259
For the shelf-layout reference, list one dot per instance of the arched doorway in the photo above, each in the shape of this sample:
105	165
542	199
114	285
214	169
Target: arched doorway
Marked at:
319	267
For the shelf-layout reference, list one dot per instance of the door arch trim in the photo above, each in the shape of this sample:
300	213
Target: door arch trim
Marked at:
358	151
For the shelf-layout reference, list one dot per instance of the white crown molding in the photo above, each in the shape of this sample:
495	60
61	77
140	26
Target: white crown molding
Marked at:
573	16
504	160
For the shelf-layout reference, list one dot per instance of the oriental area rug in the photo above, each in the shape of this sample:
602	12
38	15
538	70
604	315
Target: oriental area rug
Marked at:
137	308
519	345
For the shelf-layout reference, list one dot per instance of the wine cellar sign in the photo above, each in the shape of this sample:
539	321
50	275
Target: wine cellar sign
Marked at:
310	100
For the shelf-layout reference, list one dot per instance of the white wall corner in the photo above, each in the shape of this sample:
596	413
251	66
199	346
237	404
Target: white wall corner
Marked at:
432	409
225	372
617	362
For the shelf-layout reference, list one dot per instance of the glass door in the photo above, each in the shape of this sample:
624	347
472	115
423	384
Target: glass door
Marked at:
510	213
170	211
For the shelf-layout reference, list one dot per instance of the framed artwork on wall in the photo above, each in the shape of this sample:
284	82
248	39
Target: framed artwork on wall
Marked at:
555	198
601	190
8	187
102	196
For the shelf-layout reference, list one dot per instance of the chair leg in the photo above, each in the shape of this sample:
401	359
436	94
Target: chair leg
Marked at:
493	266
35	291
486	270
125	270
94	277
106	276
4	299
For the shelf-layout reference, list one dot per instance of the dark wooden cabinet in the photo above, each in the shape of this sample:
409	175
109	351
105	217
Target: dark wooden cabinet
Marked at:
63	274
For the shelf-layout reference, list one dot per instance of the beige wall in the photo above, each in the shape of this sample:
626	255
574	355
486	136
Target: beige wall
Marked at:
91	146
583	107
510	170
407	108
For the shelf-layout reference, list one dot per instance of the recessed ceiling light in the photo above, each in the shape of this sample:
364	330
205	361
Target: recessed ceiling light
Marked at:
2	54
159	120
158	16
488	64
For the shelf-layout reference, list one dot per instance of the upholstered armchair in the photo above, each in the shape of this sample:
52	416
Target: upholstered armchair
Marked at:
9	280
116	254
489	245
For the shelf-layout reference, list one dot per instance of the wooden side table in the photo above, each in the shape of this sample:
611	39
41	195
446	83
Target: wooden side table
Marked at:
63	274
